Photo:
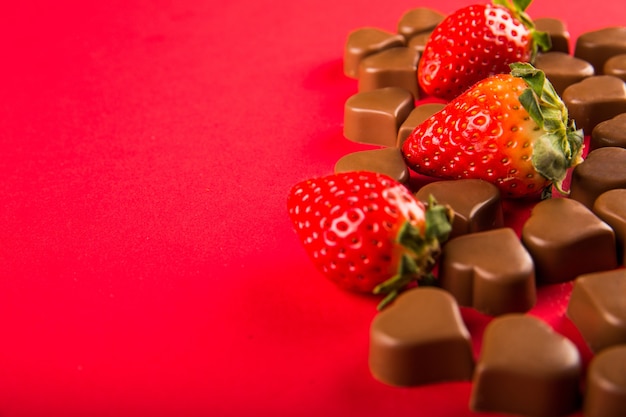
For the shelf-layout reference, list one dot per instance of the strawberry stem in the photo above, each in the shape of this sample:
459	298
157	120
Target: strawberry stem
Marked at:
560	147
422	252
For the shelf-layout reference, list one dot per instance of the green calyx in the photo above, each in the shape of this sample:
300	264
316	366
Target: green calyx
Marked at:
422	252
560	147
541	40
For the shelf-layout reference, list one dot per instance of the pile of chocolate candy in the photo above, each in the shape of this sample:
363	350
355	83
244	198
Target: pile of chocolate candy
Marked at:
524	366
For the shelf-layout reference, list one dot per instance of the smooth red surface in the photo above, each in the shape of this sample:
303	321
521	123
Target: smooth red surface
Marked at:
147	263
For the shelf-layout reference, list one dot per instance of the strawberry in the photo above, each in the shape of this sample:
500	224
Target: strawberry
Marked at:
367	232
476	42
510	129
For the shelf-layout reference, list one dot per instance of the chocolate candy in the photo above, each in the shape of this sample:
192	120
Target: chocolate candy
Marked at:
418	21
611	208
420	339
419	41
604	169
594	100
616	66
490	271
526	368
597	307
605	394
559	34
597	46
366	41
388	161
393	67
476	203
418	115
375	116
611	132
563	69
565	240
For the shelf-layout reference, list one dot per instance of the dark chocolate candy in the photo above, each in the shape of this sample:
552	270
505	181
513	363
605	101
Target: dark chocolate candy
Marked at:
565	240
375	116
559	35
418	115
393	67
420	339
563	69
597	46
611	132
597	307
605	393
418	21
366	41
616	66
604	169
594	100
610	206
388	161
526	368
476	203
490	271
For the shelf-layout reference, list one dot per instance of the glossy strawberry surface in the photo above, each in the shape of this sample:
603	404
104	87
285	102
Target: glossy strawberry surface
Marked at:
348	224
469	45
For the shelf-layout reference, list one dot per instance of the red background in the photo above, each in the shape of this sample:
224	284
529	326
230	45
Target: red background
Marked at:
147	263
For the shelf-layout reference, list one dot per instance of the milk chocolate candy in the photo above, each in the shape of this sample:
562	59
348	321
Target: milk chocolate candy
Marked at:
394	67
604	169
375	116
418	42
565	240
597	46
366	41
388	161
611	132
490	271
563	69
556	29
418	115
610	207
420	339
597	307
525	368
605	394
594	100
616	66
476	203
417	21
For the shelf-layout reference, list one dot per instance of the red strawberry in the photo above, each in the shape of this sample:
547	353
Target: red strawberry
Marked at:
476	42
367	232
509	129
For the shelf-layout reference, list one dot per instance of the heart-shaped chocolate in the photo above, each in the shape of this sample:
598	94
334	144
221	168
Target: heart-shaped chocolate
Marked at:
611	132
526	368
490	271
565	240
563	70
476	204
610	206
375	117
594	100
388	161
597	308
605	395
420	339
597	46
603	170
